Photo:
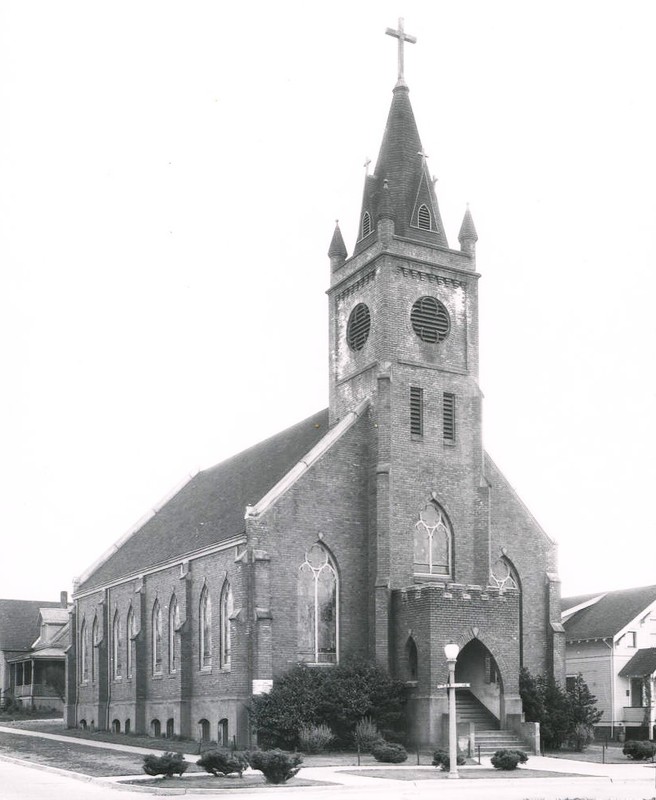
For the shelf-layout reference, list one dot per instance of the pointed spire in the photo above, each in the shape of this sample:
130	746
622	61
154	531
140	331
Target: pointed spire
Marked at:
468	236
337	251
385	207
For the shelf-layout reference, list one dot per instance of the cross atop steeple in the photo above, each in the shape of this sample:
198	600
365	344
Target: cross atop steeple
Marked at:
402	36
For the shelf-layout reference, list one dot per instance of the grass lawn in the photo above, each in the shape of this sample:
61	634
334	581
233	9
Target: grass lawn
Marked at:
473	774
205	781
611	754
89	761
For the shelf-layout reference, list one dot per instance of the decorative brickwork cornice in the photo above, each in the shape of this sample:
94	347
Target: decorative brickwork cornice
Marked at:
430	277
356	285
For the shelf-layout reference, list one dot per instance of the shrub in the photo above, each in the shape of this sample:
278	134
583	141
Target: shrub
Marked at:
580	737
389	752
639	751
223	762
315	738
442	760
508	759
276	766
366	734
338	698
167	764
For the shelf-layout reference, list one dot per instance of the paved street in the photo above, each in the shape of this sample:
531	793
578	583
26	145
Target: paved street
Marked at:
633	782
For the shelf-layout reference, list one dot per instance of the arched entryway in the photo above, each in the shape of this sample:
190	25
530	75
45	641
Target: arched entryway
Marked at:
477	666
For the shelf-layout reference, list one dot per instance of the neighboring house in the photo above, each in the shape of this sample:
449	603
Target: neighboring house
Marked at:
611	641
378	528
34	637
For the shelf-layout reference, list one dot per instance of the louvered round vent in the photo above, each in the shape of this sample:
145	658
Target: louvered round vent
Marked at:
430	320
359	325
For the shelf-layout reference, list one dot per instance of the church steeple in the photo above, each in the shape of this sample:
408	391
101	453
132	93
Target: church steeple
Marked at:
411	200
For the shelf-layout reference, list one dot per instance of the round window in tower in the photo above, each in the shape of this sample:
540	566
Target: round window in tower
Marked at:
359	325
430	320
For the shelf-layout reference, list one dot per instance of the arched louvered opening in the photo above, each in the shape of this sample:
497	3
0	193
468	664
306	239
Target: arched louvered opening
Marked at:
358	327
365	228
425	218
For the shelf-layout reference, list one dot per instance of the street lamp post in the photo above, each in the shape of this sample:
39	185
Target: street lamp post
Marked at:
451	652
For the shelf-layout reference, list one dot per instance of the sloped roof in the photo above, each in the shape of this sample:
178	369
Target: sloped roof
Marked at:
19	622
210	508
571	602
402	164
54	616
642	663
609	615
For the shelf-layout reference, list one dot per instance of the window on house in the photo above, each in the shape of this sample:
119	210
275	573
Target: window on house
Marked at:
116	647
205	629
416	411
318	592
424	219
174	622
366	224
157	639
225	611
432	542
449	417
130	643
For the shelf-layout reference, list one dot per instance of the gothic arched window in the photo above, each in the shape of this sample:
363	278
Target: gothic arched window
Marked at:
433	542
94	643
174	622
157	638
84	653
503	575
318	603
366	225
412	659
129	629
205	629
424	219
116	647
225	612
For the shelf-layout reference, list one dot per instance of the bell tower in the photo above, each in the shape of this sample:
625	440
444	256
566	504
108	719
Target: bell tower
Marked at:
404	333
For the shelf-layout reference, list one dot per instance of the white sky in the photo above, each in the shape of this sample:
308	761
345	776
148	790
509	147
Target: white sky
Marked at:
170	174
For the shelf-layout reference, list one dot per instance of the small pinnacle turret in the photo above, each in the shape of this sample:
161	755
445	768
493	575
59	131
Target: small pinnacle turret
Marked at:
337	251
468	236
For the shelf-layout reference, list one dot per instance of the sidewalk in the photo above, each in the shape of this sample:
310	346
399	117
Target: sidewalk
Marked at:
345	776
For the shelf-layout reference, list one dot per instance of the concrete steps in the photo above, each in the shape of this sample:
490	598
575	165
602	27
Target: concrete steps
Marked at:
488	736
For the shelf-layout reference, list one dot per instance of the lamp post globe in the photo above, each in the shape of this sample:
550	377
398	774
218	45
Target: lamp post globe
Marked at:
451	651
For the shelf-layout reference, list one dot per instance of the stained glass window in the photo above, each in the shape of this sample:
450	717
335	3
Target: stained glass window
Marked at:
432	542
318	588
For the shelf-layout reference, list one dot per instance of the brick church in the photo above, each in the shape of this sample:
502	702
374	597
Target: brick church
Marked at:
379	528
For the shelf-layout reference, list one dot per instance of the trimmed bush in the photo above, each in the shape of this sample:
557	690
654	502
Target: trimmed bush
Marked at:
389	752
276	766
442	760
366	734
168	764
223	762
639	751
315	738
508	759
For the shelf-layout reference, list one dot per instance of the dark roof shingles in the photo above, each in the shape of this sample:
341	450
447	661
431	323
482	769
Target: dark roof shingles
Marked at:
210	507
19	623
609	615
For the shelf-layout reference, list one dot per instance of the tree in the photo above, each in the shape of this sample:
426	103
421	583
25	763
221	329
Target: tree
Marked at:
583	713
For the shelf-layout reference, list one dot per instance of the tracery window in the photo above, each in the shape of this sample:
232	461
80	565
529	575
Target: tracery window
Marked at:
318	602
116	647
503	575
226	608
84	653
174	622
130	643
433	542
205	629
157	638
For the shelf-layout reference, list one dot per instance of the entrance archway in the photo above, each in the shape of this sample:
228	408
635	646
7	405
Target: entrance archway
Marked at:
477	666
